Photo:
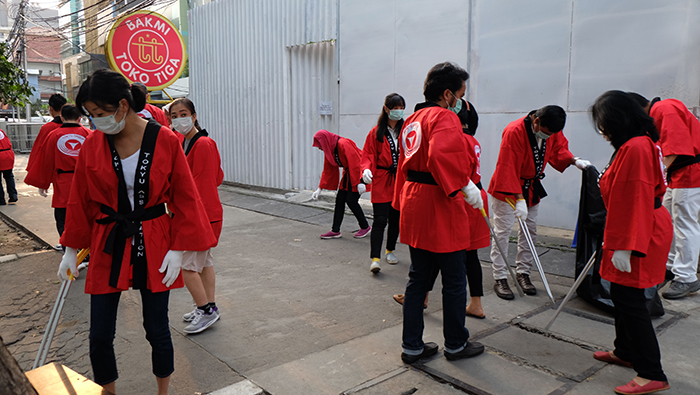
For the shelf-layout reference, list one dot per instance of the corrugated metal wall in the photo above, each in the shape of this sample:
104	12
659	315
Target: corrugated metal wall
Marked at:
243	56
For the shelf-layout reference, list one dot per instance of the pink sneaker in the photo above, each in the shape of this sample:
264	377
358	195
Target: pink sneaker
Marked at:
331	235
362	233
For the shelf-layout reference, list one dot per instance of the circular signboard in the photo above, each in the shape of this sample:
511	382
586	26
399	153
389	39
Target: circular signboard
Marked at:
146	47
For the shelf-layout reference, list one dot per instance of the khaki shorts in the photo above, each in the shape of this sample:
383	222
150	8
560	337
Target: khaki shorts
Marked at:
196	261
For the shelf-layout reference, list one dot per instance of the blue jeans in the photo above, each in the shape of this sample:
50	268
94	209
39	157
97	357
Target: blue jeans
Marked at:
103	320
454	299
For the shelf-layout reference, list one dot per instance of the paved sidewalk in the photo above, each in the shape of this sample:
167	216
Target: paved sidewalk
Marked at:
302	315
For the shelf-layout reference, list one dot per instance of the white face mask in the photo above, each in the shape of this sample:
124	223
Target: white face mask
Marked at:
108	124
183	125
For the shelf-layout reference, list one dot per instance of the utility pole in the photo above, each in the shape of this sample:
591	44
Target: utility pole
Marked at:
23	44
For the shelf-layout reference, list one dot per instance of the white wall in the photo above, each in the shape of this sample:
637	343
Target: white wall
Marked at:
521	55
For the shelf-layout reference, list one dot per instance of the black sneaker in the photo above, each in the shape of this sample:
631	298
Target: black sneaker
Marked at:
429	349
472	349
12	200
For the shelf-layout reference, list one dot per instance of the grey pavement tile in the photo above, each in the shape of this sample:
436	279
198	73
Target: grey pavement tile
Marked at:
495	374
605	380
550	354
409	382
589	331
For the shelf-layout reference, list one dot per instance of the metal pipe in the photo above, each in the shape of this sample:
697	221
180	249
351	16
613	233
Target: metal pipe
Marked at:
578	281
503	253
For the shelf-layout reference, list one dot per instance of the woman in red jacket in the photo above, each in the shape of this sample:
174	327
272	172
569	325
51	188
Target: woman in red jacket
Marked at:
380	157
205	163
341	152
637	239
124	177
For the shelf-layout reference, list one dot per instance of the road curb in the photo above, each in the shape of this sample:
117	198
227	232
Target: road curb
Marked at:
16	225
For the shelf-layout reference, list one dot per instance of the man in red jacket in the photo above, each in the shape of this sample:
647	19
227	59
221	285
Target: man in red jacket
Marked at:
527	145
433	174
56	102
150	111
680	146
7	162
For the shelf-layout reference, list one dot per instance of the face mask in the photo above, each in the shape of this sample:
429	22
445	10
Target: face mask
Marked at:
108	124
183	125
395	115
542	135
458	105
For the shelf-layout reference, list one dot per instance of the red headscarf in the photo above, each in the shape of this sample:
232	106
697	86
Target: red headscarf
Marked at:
327	142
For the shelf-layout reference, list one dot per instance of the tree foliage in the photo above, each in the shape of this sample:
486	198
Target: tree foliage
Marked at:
14	88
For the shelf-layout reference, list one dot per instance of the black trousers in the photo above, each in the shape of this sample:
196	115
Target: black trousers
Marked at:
103	319
383	214
635	339
10	182
352	200
474	274
59	214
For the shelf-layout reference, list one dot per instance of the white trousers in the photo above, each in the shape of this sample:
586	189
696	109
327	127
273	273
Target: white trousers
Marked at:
503	218
684	206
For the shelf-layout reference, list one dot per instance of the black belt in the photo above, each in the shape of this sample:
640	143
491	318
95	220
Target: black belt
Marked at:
657	202
391	169
125	226
5	149
681	162
421	177
59	171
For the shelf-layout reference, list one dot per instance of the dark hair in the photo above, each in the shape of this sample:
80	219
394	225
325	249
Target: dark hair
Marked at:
106	88
443	76
552	118
56	101
638	98
619	117
189	105
468	118
390	101
70	112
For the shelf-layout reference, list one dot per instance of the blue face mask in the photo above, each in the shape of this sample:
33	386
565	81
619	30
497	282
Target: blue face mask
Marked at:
458	105
542	135
395	115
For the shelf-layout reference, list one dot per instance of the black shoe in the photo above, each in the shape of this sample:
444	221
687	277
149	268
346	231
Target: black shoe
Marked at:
429	349
525	284
472	349
503	290
12	200
2	203
669	276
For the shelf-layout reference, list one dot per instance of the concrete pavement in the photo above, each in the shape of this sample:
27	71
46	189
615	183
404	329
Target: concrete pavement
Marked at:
302	315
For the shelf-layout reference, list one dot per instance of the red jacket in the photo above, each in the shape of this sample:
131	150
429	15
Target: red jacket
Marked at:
375	153
480	233
56	162
434	217
205	164
516	163
7	155
630	186
152	112
95	183
680	135
39	140
350	156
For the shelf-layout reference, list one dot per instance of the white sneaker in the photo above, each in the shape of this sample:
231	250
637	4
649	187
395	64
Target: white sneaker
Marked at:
201	321
374	267
391	258
188	317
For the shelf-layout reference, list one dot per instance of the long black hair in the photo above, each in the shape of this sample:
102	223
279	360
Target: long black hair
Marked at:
106	88
619	117
392	100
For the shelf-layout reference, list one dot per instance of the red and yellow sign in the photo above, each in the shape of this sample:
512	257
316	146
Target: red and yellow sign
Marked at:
146	47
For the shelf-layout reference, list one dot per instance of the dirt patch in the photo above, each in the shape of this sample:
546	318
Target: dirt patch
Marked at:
13	241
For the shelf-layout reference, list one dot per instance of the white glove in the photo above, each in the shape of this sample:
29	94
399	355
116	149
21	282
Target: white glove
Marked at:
172	262
521	209
69	262
43	193
621	260
361	188
582	163
367	176
472	195
315	194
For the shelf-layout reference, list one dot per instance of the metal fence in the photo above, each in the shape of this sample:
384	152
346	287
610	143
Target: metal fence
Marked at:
22	135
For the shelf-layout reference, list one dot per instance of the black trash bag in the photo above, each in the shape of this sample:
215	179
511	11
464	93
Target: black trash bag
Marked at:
591	223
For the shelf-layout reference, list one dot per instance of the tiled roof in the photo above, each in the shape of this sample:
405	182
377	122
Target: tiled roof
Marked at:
43	46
